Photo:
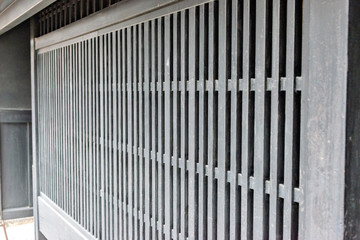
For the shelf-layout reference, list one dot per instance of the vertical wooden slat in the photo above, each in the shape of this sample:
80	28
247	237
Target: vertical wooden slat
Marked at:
183	199
52	127
91	104
141	131
47	127
80	133
73	143
44	118
211	129
192	124
201	124
59	122
129	89
71	128
83	133
55	152
289	119
245	123
98	141
56	124
86	133
135	131
153	132
48	156
64	128
48	124
90	137
67	127
147	124
59	136
40	101
106	136
56	133
93	135
45	87
41	123
124	130
44	122
234	166
82	166
70	125
61	126
110	140
259	138
159	139
54	115
175	134
119	143
49	133
168	154
115	88
102	136
273	209
223	198
76	132
62	131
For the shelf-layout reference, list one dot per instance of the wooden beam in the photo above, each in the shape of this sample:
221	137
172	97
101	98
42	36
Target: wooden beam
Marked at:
19	11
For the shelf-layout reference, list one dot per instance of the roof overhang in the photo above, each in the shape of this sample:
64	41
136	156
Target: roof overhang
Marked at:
13	12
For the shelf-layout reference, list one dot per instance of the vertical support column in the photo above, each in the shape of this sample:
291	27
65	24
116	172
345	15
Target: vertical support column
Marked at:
352	164
323	119
34	127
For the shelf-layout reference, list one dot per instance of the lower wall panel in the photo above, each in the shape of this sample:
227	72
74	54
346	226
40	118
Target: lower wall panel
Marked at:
55	224
21	212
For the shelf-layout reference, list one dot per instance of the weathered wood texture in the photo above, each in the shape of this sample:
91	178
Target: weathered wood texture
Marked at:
352	167
188	121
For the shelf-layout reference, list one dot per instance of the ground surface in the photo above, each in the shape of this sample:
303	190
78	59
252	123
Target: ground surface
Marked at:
19	229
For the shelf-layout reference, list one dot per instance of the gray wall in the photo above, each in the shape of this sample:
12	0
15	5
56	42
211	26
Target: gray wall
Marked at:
15	123
15	82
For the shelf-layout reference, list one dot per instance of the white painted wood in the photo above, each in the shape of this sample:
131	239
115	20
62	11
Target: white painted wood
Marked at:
55	224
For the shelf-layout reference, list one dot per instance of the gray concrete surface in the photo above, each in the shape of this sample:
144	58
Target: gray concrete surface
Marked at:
19	229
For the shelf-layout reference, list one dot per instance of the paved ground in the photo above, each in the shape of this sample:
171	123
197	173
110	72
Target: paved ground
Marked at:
19	229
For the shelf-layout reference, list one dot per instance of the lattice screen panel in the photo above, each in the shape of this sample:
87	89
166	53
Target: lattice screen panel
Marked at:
183	126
